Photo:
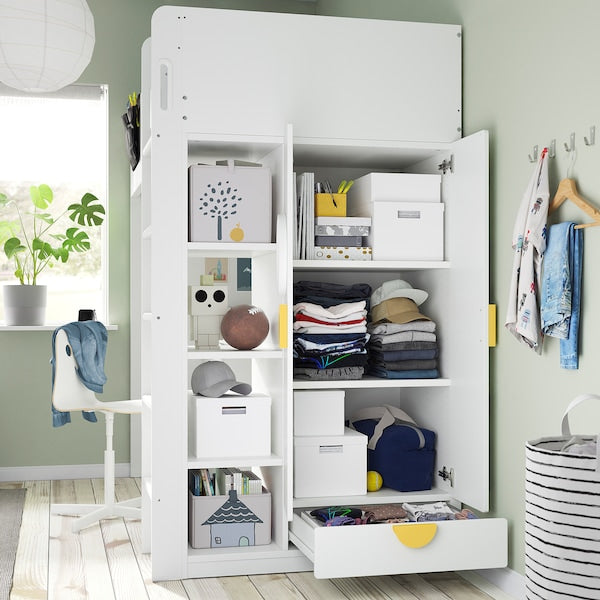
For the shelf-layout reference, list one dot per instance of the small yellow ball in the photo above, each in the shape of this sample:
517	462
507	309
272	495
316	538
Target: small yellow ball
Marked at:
374	481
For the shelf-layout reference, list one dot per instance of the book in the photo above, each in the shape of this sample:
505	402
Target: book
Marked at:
195	482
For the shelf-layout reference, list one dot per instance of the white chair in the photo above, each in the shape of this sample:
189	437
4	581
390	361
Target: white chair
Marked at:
70	394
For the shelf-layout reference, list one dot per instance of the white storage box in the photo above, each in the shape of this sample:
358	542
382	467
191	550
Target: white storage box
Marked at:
229	204
229	426
387	187
223	521
407	230
319	412
330	465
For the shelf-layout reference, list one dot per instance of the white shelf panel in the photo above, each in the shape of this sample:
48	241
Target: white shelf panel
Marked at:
236	461
265	551
229	249
383	496
369	265
215	354
369	383
371	154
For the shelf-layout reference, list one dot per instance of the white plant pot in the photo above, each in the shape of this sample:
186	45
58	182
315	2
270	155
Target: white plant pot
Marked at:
24	304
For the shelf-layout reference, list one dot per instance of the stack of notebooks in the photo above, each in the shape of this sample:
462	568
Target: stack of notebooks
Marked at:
341	238
209	482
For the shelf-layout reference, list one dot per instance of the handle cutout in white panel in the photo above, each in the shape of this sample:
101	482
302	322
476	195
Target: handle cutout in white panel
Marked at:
164	86
233	410
330	449
409	214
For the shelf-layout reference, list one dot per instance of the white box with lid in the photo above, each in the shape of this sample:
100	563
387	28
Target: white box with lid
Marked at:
407	214
229	426
330	465
319	412
407	230
395	187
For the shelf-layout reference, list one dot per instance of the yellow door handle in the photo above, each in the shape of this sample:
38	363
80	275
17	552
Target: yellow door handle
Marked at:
415	535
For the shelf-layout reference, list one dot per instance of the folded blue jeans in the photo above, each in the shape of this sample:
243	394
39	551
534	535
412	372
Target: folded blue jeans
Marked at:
561	290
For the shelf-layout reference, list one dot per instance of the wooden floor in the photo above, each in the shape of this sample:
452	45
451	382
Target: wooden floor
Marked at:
104	562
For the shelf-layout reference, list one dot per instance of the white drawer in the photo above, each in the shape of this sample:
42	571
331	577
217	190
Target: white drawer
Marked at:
360	550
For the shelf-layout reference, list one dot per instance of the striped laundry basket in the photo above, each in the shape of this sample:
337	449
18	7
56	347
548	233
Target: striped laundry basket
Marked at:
562	515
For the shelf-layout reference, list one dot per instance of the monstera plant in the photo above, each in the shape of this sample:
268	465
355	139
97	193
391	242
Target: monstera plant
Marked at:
38	239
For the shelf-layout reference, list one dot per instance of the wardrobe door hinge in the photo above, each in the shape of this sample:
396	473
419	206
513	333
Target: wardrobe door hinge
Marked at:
447	475
447	165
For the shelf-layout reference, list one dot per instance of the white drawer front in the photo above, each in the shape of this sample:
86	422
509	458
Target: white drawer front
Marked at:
358	550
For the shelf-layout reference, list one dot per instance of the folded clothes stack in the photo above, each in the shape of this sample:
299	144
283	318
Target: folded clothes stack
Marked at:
330	330
403	342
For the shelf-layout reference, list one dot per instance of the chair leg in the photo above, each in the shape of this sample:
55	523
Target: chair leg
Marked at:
91	513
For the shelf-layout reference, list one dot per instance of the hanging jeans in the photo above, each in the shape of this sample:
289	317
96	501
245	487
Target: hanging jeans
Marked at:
561	290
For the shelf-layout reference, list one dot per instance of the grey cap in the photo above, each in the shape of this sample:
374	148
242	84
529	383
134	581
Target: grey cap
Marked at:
214	378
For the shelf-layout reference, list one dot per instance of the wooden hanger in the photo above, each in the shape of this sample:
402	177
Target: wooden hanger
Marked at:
567	190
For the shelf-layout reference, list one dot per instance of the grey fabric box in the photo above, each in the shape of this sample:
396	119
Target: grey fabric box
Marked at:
211	524
342	226
339	240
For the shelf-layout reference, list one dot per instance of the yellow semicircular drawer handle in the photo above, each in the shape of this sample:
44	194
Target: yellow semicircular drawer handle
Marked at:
415	535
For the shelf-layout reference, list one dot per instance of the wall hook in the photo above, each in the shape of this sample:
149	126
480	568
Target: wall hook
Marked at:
552	149
535	154
572	144
592	139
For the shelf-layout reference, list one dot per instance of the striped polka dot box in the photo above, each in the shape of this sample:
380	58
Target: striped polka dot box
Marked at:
562	520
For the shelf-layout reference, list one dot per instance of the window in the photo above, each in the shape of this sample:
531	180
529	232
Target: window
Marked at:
59	139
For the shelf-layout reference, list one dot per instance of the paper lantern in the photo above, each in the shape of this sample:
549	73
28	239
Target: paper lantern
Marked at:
44	44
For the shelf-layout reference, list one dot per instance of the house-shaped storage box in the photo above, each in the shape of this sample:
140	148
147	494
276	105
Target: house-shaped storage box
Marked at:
227	521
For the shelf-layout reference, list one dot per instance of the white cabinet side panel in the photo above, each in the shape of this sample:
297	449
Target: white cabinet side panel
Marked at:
330	76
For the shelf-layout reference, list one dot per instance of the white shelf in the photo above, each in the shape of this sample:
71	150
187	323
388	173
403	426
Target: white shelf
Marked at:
250	461
232	554
383	496
369	265
369	383
229	249
216	354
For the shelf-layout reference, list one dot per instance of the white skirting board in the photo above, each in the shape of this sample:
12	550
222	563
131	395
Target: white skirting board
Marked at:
510	582
51	472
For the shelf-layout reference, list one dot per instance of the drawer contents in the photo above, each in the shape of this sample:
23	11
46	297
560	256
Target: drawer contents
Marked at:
406	212
403	341
229	203
319	412
400	451
374	514
330	465
330	330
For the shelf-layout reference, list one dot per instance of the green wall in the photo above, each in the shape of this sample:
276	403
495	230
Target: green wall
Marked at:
530	75
26	434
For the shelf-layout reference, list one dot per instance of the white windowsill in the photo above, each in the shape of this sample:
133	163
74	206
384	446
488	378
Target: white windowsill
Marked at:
42	327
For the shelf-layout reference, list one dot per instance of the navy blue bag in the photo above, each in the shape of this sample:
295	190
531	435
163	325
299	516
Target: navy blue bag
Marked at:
400	451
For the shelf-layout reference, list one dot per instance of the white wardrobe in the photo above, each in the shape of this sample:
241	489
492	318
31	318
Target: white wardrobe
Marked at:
339	97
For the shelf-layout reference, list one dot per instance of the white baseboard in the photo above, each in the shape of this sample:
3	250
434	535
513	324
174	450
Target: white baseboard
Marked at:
51	472
511	583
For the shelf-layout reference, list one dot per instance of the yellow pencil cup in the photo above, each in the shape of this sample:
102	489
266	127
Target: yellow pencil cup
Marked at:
330	205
